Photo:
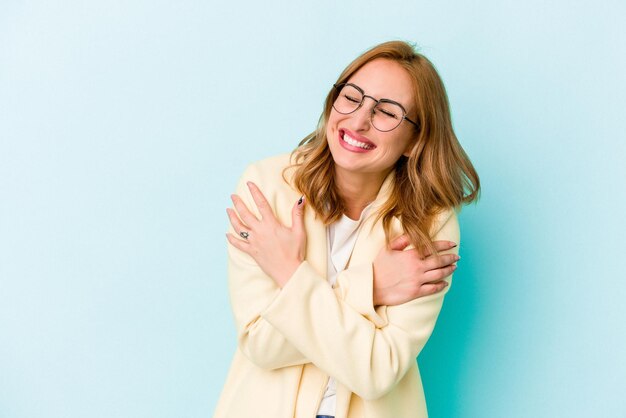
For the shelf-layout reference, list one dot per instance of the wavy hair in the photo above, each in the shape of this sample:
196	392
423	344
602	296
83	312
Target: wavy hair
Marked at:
437	175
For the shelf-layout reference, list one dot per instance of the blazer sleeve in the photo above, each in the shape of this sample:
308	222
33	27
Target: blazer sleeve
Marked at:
251	292
368	358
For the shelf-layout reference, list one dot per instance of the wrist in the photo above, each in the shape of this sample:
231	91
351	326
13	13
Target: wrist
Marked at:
378	297
377	292
289	268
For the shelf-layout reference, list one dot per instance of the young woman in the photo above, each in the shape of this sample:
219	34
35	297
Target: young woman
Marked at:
341	252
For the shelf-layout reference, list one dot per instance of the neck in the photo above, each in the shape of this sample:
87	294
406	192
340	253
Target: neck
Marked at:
357	190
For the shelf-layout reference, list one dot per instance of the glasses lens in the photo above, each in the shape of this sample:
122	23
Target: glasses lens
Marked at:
348	100
387	116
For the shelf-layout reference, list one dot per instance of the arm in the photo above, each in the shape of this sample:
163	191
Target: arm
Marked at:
251	291
367	358
261	342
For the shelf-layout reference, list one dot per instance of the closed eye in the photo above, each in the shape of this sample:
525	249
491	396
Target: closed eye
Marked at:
387	113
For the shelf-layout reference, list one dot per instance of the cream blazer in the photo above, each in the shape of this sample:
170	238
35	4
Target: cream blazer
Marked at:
291	340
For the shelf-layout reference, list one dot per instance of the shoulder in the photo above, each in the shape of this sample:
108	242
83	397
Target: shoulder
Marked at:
446	224
272	163
268	170
267	174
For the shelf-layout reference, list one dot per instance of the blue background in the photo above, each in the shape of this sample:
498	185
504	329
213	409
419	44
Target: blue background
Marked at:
124	126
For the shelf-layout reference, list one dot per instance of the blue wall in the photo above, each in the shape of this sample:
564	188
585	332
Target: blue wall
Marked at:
125	125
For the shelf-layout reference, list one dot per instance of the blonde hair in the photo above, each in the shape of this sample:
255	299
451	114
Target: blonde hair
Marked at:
437	174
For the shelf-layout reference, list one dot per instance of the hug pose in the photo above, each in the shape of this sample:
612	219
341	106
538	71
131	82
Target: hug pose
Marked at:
341	252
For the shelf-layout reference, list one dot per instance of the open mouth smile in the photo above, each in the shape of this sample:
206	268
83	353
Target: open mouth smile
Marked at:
358	145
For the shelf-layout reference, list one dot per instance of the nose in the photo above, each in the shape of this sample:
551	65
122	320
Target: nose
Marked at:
362	117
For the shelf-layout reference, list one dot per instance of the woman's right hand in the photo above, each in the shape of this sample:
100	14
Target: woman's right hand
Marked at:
403	275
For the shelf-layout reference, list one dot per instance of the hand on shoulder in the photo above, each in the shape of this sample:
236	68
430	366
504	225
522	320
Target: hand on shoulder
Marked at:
277	249
403	275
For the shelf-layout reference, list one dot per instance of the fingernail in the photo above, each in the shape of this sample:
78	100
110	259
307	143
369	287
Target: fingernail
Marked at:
300	200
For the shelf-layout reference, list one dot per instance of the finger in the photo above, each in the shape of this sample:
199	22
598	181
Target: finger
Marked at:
238	226
244	213
261	202
439	261
297	216
439	274
439	246
399	243
432	288
238	243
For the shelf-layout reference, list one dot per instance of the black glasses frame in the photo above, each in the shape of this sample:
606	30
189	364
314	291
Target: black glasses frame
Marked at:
340	86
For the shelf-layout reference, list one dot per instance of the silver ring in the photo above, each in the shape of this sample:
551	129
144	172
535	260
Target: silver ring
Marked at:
244	234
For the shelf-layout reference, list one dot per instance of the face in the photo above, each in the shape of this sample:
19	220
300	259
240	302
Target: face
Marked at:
356	146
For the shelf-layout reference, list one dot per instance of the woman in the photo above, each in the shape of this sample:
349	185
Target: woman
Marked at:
341	253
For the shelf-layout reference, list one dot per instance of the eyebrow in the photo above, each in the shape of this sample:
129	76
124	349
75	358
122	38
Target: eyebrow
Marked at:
383	99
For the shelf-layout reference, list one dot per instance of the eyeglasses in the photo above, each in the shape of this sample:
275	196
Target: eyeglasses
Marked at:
386	115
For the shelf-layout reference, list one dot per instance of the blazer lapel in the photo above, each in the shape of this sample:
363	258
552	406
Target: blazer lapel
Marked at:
371	236
370	240
316	246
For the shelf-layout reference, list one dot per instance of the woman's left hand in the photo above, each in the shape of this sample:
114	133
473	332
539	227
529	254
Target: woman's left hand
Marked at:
277	249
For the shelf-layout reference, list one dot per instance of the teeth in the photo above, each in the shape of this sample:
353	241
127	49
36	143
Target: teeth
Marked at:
356	143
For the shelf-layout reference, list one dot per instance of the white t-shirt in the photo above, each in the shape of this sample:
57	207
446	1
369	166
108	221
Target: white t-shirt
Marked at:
341	237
